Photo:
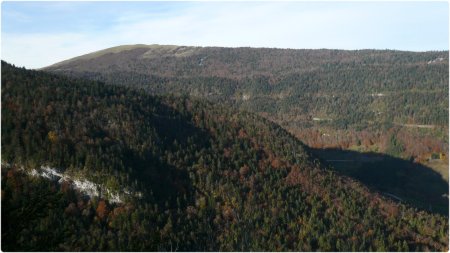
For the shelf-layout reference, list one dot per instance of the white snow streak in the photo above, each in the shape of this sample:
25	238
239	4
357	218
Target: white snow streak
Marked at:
83	185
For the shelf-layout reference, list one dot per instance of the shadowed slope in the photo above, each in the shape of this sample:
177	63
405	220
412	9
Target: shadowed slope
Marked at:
406	181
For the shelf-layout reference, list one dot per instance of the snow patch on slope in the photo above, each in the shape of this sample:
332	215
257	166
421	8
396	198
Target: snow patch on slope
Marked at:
435	60
85	186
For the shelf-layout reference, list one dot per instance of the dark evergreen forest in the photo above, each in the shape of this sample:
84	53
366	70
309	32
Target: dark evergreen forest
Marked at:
191	175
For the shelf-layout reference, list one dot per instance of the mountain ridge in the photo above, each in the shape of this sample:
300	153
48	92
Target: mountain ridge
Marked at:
120	48
294	88
213	178
362	100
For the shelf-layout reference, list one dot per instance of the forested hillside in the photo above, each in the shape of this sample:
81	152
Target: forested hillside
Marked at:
383	101
190	176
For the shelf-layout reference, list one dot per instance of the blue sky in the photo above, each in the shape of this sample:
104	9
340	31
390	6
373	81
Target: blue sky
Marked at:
37	34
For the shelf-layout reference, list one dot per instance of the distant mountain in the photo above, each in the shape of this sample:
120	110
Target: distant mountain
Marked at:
331	98
174	173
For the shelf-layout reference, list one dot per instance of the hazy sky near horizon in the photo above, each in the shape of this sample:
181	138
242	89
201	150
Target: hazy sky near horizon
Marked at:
37	34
